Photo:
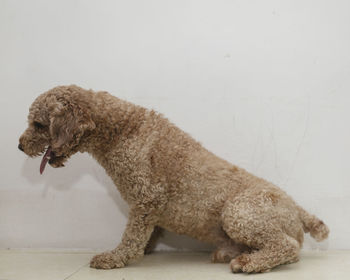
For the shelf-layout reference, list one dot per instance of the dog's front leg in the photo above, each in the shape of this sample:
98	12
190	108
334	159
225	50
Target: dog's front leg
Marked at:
136	235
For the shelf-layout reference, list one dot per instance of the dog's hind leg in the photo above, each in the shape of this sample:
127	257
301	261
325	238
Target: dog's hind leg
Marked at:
249	221
284	250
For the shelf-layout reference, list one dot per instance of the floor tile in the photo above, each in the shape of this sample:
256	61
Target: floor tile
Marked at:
313	265
26	265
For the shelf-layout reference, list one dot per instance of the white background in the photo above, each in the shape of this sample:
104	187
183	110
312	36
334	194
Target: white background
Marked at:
263	84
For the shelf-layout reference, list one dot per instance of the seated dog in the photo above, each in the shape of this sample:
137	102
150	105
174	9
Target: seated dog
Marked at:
169	181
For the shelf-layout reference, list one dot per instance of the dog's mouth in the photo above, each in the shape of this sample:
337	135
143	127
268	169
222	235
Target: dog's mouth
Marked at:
51	158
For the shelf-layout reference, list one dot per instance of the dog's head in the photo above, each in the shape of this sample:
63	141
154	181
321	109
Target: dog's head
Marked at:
57	122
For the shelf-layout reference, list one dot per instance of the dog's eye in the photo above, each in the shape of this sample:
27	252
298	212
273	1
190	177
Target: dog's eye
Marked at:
38	125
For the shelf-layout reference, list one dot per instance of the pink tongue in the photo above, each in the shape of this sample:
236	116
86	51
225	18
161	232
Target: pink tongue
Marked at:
45	159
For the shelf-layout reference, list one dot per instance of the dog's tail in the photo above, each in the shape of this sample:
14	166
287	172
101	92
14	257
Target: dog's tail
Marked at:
318	230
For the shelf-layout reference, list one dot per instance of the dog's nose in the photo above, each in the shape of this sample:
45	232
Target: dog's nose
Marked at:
20	147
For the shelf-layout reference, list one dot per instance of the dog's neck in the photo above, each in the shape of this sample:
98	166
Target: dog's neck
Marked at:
111	128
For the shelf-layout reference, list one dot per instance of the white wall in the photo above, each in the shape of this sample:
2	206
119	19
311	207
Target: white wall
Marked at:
263	84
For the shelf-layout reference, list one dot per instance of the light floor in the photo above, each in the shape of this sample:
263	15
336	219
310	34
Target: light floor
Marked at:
46	265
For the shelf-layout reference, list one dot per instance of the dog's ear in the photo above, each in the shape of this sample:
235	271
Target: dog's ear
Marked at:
68	123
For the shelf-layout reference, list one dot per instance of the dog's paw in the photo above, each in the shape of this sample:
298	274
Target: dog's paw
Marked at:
243	263
107	260
224	255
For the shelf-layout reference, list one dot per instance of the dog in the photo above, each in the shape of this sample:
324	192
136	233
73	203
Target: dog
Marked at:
170	181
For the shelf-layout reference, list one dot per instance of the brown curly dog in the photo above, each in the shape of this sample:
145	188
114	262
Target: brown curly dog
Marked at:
169	181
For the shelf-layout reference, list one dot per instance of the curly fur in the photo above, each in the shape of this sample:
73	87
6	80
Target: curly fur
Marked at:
169	181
